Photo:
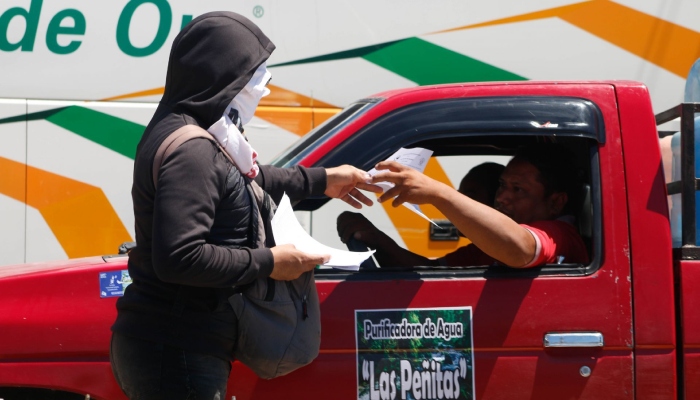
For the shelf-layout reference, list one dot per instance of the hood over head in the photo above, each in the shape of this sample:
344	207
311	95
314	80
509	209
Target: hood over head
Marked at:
211	61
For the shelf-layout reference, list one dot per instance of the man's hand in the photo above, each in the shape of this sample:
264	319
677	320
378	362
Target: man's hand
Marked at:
290	263
354	225
343	183
388	253
410	185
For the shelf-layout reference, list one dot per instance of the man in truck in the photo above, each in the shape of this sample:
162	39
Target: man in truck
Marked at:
531	223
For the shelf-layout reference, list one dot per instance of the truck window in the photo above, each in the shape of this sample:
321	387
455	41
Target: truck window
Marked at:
453	159
480	129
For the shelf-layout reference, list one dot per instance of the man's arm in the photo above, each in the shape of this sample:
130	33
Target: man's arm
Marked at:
491	231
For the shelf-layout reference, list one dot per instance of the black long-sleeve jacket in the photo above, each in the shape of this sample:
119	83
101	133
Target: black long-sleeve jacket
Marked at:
193	231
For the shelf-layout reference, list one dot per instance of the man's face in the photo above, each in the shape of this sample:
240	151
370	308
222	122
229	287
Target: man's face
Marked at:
521	195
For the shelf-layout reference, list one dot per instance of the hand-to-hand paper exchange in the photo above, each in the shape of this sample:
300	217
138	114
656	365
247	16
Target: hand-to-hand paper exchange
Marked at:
416	158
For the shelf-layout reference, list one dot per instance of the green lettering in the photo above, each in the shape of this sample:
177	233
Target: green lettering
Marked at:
123	41
55	29
31	17
186	19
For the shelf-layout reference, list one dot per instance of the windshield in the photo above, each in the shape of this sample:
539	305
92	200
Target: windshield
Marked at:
296	152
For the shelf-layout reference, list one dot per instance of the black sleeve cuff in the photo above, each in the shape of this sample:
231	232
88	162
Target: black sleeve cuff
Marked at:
317	180
264	261
298	182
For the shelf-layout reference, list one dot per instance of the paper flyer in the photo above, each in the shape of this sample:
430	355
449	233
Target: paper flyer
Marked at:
287	230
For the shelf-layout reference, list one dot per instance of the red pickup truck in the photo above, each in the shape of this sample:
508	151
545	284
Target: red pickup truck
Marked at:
623	326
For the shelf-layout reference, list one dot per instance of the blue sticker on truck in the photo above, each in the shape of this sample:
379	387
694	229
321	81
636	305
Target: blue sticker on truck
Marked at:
422	353
113	283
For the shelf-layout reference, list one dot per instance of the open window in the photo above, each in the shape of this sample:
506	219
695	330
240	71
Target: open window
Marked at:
463	133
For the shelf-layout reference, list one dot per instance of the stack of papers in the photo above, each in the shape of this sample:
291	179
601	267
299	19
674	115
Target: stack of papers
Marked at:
286	229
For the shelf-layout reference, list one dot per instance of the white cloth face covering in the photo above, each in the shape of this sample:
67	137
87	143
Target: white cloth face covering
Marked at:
246	101
226	131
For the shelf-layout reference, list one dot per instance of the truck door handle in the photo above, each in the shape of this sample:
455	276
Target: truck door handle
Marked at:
573	339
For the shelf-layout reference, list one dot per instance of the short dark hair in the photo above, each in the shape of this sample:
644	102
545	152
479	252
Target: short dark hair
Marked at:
557	167
487	175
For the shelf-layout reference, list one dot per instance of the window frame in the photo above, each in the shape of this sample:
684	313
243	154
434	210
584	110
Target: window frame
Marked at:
495	119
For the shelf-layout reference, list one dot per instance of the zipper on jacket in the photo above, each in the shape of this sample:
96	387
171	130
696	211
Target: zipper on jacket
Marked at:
270	292
304	308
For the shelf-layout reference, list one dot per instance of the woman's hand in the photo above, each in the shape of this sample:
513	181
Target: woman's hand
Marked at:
343	183
290	263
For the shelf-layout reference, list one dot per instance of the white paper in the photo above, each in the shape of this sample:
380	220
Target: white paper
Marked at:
287	230
416	158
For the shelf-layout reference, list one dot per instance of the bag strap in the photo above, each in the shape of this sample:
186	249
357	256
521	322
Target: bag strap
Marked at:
258	196
175	140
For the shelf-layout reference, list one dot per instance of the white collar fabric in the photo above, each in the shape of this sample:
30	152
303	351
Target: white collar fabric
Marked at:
226	131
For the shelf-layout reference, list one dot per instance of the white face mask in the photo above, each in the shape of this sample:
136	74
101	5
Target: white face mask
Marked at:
226	131
246	101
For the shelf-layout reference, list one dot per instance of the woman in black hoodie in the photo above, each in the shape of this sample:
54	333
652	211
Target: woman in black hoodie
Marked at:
175	330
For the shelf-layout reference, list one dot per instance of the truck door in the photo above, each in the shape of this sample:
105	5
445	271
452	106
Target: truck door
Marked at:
480	332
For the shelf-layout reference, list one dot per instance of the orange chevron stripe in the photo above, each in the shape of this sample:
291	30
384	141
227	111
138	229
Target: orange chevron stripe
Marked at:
665	44
143	93
293	111
286	98
289	110
660	42
298	120
79	215
13	183
278	97
414	230
549	13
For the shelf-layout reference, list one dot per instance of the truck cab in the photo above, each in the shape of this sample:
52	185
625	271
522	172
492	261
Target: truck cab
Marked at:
556	331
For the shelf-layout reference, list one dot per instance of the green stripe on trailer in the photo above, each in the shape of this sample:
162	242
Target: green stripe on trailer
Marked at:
111	132
421	62
114	133
428	64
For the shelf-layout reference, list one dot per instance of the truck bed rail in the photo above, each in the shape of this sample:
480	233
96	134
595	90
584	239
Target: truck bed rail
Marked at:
688	184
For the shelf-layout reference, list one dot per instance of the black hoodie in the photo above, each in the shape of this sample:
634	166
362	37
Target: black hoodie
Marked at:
193	233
